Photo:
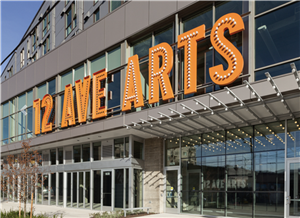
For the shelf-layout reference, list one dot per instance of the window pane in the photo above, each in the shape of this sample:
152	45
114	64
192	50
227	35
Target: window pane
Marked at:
115	88
42	91
126	147
5	128
65	80
269	203
29	121
191	147
141	48
97	15
12	106
5	109
53	156
97	190
261	6
273	44
119	188
164	36
86	152
228	7
213	143
21	101
240	204
214	204
275	71
214	172
79	73
269	171
138	150
269	136
239	140
12	123
21	123
87	190
51	87
60	156
203	17
29	99
293	138
77	153
114	58
145	79
97	64
115	4
172	152
119	148
239	170
97	151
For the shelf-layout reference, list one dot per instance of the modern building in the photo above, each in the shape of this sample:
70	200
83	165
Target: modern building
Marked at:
223	149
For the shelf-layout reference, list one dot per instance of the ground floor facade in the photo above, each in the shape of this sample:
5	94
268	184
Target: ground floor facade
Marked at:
251	171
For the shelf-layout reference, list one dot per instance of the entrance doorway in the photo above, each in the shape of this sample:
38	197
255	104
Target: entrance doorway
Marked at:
172	191
107	190
293	188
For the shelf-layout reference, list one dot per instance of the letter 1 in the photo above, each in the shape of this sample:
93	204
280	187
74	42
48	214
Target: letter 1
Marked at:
68	115
234	23
133	89
160	74
37	116
188	41
99	93
82	97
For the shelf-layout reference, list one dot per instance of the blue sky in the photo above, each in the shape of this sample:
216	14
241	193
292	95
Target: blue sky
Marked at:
16	17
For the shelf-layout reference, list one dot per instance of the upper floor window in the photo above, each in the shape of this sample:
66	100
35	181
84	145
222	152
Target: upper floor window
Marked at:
96	15
34	39
116	3
10	71
22	57
46	24
70	19
46	45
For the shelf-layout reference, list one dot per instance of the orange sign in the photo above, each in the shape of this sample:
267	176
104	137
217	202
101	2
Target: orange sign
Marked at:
82	97
234	23
133	88
68	113
98	93
48	103
160	74
188	41
37	116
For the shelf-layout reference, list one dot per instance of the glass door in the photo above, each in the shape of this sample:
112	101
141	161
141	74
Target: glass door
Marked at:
107	190
172	196
293	188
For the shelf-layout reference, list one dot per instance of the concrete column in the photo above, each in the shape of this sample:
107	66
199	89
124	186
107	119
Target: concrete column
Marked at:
153	175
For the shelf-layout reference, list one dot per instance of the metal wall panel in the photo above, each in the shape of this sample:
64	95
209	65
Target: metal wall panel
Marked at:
39	75
51	64
64	57
20	87
12	86
161	9
5	95
96	38
78	48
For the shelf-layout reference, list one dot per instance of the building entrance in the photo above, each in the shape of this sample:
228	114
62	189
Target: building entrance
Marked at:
293	188
172	192
107	190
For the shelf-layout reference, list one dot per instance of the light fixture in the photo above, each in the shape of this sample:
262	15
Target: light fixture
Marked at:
236	98
218	101
204	106
252	90
164	115
174	111
190	109
295	72
154	118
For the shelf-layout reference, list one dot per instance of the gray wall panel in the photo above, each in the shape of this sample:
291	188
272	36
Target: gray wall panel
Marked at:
78	131
12	90
64	57
51	64
161	9
183	4
21	81
94	127
137	17
5	95
113	123
114	27
96	38
78	48
30	73
39	75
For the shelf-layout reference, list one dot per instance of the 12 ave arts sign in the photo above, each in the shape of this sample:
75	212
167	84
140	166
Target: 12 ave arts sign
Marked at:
160	66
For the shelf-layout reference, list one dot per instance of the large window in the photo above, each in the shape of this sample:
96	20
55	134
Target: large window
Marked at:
22	58
46	45
121	149
46	24
71	19
273	43
34	39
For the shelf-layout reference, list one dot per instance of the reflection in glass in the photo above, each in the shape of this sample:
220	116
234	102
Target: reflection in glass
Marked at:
87	190
119	188
81	189
51	87
53	189
166	35
138	188
294	191
214	173
261	6
227	7
60	189
272	43
115	88
239	140
240	204
202	17
172	189
97	190
293	138
45	190
141	47
269	171
68	189
213	143
269	204
172	152
239	171
97	151
74	190
214	203
119	148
